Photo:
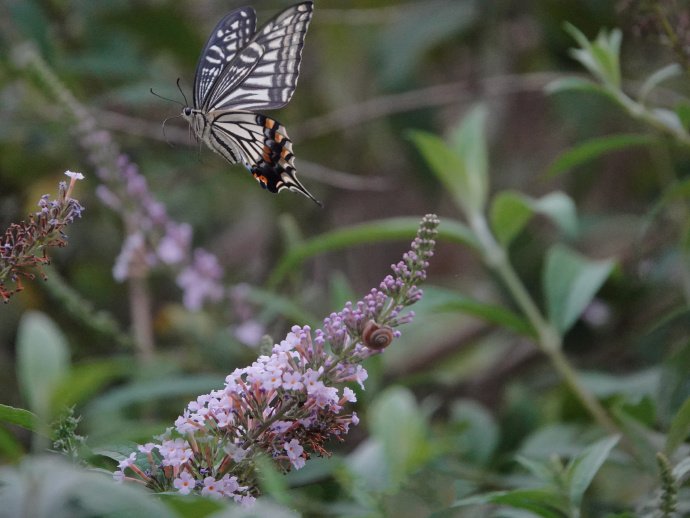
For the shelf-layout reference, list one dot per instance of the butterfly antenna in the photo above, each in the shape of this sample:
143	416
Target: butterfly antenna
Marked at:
182	92
166	99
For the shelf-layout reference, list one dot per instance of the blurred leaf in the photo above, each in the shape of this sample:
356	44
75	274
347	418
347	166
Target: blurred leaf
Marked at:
423	26
510	212
478	433
11	448
284	306
575	83
372	232
543	471
570	281
679	430
139	392
581	469
42	360
658	77
462	169
397	423
446	300
271	481
193	506
596	147
683	112
262	508
601	56
48	487
18	417
85	380
541	502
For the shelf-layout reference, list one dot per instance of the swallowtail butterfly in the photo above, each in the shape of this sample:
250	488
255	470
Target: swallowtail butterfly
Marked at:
242	70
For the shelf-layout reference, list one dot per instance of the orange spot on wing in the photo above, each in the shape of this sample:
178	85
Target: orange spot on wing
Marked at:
269	123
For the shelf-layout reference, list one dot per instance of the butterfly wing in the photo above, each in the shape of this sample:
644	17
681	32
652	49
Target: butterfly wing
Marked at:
269	81
231	34
262	144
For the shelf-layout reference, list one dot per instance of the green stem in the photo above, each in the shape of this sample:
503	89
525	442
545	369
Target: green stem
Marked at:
548	339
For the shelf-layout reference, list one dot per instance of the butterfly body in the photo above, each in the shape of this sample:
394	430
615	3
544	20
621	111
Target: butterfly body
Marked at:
241	70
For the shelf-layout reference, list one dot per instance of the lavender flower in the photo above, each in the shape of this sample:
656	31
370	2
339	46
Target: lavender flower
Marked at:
152	238
24	246
285	405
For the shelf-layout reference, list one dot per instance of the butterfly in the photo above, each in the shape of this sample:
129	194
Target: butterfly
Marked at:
242	70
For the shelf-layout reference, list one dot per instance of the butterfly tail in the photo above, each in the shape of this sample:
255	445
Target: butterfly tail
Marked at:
275	170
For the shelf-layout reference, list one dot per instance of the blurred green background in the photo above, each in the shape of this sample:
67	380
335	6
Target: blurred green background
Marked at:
371	72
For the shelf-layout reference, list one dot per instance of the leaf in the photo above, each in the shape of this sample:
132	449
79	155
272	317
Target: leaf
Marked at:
469	141
596	147
683	112
478	434
489	312
570	282
541	502
18	417
463	168
574	83
49	486
581	469
510	212
658	77
42	361
679	430
365	233
139	392
85	380
397	423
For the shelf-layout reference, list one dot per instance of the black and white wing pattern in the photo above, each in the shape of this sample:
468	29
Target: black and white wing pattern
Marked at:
262	144
230	35
242	70
264	74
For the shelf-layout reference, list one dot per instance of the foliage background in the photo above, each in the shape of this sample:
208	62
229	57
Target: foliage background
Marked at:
372	71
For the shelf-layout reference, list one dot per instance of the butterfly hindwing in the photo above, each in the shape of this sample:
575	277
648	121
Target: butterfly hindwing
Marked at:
273	78
262	144
230	35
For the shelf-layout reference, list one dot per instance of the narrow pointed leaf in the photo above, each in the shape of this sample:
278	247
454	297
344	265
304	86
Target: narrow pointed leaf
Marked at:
582	468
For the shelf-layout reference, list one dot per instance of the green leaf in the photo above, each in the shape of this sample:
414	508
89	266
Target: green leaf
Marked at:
596	147
600	57
372	232
658	77
510	212
451	301
85	380
156	389
469	141
679	430
574	83
541	502
42	359
18	417
683	112
478	433
463	168
49	486
397	423
570	282
581	469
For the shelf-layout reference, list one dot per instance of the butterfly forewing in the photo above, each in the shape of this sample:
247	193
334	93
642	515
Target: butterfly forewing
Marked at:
272	80
230	35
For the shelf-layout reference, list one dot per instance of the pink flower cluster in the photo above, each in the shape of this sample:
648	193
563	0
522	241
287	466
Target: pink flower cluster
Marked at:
286	404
